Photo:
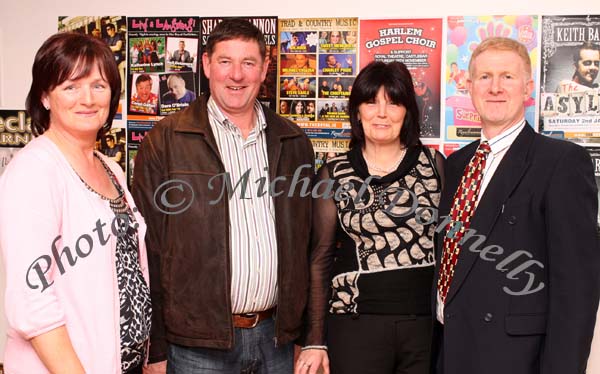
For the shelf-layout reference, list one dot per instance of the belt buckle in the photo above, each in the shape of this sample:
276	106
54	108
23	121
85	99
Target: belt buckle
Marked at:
252	315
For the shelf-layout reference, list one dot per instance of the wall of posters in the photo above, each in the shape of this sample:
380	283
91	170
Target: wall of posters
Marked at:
464	35
318	64
418	44
569	101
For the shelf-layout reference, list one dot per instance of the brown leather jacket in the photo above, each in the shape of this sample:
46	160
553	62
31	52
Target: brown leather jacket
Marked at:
188	246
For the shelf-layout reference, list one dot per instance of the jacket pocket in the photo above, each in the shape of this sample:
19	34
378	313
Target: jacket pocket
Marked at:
525	324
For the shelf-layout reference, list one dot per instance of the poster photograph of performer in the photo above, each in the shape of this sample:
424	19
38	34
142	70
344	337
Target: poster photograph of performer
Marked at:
335	87
177	91
297	87
182	54
337	64
298	42
569	99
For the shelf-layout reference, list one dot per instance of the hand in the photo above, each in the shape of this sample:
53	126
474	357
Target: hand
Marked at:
311	360
156	368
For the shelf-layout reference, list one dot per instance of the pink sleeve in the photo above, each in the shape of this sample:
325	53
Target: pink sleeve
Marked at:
29	224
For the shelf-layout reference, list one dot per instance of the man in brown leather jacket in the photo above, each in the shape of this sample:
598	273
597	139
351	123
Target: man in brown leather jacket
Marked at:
224	187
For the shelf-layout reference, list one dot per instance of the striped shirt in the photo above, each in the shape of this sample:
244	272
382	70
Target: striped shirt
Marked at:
251	213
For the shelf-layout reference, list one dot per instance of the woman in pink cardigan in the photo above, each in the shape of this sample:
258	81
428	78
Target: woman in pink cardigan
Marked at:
72	241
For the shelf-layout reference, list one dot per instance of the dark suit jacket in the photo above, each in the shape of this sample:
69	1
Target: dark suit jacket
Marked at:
539	211
186	56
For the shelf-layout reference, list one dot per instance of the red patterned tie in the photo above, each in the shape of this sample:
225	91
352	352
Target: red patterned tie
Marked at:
461	213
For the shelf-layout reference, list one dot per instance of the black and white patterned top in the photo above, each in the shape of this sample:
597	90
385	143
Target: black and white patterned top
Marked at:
378	249
134	293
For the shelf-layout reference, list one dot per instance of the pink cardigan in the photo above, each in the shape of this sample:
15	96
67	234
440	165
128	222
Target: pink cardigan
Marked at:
42	202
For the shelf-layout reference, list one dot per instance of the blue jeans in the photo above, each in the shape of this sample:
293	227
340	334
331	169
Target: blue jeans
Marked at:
254	352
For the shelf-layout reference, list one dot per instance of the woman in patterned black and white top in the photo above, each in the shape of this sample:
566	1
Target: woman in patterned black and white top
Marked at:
372	256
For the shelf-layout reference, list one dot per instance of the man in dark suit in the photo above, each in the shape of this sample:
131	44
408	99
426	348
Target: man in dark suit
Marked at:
517	292
181	55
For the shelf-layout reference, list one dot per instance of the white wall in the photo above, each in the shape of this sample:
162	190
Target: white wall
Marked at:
27	23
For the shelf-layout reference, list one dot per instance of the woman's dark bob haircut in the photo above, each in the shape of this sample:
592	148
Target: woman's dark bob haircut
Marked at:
397	82
69	56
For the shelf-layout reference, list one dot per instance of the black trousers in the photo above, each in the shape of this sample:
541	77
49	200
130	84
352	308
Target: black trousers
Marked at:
379	344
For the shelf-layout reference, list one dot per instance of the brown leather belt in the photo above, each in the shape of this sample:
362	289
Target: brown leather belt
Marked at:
250	320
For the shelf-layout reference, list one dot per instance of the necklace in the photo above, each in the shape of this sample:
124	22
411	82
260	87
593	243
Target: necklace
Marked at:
118	204
375	167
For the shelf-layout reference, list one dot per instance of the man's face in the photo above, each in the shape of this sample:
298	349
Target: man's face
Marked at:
177	87
331	61
144	89
181	46
295	39
110	142
586	69
283	107
310	108
110	31
301	61
235	71
499	87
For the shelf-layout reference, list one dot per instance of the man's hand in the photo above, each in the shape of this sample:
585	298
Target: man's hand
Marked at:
311	360
156	368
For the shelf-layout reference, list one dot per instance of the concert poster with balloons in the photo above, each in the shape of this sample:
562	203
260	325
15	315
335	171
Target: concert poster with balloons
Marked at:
418	44
464	35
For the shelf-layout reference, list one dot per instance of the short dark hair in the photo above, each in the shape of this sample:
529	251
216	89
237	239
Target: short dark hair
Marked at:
110	26
397	82
66	56
585	46
236	28
142	78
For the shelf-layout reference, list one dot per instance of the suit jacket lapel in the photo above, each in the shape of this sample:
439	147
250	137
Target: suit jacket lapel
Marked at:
506	178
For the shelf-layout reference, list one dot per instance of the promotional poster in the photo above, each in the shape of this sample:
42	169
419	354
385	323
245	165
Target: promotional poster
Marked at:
464	35
569	95
318	64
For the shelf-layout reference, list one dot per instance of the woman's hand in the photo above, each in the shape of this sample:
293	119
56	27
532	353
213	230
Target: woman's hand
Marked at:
311	360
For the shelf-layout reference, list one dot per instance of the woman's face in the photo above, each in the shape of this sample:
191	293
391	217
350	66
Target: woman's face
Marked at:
351	37
381	120
80	106
299	107
335	37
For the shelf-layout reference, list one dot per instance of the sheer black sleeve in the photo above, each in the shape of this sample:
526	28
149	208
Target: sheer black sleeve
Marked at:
440	161
323	244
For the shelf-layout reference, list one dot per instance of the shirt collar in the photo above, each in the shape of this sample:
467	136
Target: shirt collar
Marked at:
503	140
215	112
